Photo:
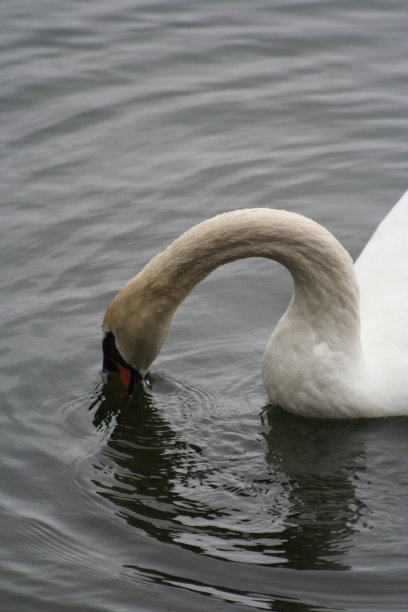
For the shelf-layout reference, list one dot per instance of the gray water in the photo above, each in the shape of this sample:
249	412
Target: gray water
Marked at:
122	124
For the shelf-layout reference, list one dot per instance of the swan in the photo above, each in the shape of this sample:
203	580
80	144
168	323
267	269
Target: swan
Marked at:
340	349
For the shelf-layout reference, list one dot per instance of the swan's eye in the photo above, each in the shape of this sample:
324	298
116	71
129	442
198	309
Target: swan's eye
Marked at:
114	362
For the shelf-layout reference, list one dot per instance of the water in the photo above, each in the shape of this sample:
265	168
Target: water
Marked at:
122	124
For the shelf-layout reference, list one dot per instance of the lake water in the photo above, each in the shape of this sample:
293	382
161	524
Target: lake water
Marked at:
122	124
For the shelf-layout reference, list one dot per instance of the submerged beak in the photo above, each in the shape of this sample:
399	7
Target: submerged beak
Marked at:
114	362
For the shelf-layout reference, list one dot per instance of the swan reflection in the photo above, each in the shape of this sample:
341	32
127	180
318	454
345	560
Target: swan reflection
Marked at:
280	490
322	461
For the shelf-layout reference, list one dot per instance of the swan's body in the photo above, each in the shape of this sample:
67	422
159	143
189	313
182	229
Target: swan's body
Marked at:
320	360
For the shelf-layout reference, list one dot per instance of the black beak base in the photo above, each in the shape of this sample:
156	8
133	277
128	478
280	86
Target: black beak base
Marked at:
114	362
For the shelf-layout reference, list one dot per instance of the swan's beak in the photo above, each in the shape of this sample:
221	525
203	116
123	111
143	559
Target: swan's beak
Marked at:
114	362
128	375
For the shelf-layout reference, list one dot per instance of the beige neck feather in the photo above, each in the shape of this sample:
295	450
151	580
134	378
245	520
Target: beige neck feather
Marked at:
325	288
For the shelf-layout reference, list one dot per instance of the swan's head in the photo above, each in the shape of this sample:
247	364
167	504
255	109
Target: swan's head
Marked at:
135	327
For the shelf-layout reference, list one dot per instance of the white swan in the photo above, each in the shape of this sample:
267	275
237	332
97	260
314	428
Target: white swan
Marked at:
320	360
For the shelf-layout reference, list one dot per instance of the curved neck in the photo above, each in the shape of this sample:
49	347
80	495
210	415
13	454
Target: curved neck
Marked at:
325	288
321	268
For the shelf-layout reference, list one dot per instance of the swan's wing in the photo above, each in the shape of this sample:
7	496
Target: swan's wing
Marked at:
382	273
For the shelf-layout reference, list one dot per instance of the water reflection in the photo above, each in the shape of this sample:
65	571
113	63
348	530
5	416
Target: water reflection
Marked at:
292	502
147	456
322	461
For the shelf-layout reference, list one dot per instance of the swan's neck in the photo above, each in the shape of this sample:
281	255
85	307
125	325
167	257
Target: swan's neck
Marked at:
325	298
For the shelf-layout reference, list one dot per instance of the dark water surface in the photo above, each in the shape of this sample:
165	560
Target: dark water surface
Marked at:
122	124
